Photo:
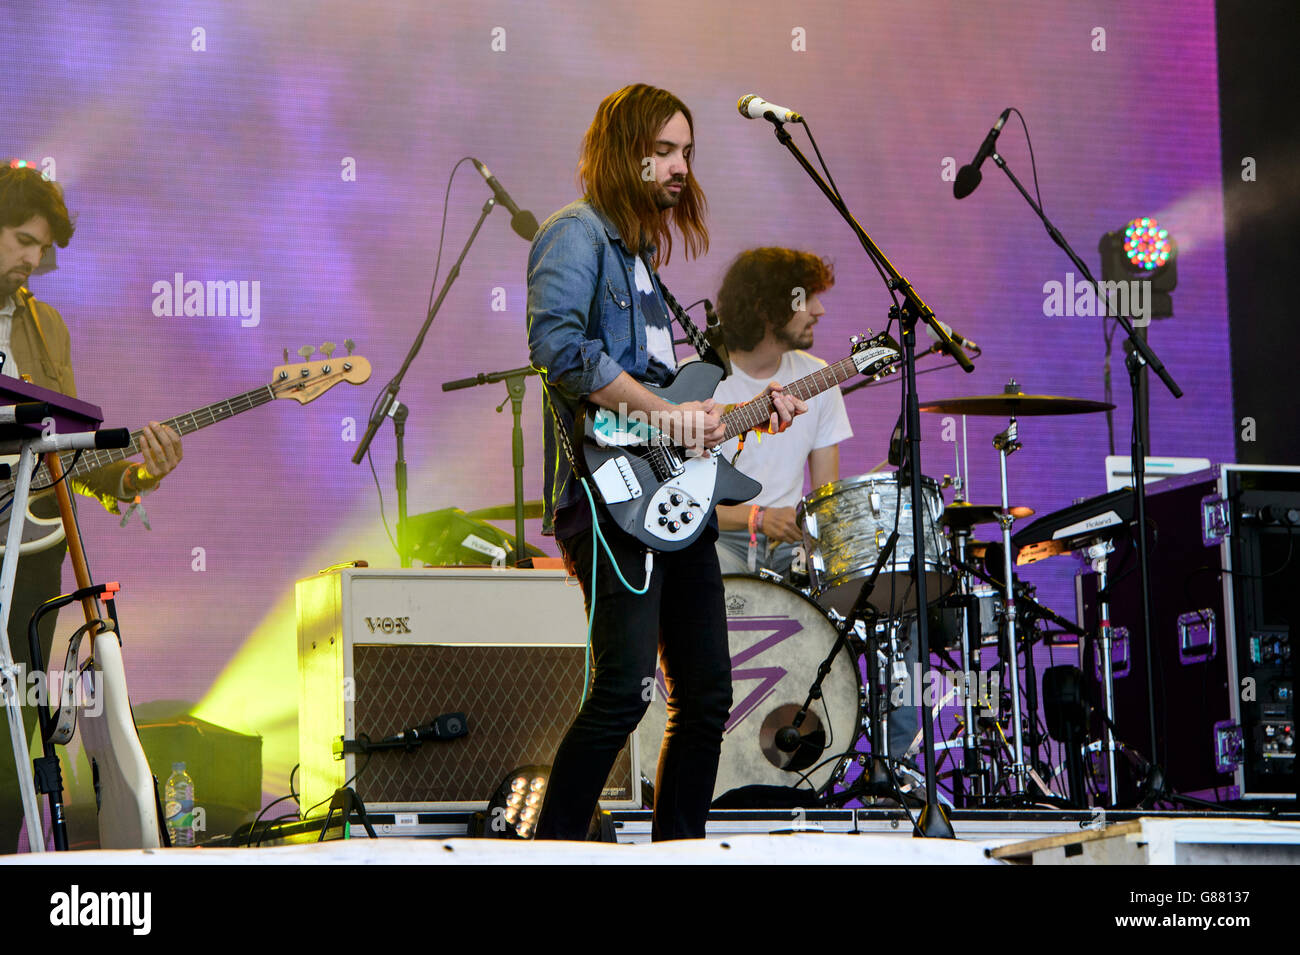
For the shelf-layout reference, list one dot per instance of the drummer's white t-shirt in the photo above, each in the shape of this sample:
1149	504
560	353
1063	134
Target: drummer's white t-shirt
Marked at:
779	461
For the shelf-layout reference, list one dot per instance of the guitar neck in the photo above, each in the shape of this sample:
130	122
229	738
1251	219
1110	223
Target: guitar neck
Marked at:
182	425
757	413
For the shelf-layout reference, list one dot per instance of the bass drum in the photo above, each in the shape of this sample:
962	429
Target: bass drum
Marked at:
778	639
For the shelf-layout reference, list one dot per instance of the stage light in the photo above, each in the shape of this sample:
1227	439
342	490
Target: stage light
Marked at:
1146	244
515	805
1143	251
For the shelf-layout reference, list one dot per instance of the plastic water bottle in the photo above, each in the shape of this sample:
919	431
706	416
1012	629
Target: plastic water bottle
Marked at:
179	805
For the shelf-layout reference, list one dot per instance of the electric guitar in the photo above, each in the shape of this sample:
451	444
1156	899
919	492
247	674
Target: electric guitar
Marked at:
658	494
302	383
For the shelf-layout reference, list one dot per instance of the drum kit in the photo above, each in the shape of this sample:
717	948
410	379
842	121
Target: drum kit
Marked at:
805	714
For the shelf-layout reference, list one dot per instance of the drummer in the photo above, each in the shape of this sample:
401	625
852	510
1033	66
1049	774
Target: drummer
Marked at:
768	305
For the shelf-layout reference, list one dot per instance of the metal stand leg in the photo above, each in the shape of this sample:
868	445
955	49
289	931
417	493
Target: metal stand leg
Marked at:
1007	444
972	771
9	676
1098	556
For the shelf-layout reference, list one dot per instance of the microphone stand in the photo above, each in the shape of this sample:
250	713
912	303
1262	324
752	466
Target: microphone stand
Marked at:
514	379
933	821
1139	357
390	391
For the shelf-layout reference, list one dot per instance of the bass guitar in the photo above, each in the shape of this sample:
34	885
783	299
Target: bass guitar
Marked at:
302	383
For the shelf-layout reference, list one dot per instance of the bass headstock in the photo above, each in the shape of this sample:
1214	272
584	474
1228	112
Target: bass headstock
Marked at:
308	380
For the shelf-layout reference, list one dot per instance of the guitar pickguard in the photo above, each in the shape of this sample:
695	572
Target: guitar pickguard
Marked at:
682	504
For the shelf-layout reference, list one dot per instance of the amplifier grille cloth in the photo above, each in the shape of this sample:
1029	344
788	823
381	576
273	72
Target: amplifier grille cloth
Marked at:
519	701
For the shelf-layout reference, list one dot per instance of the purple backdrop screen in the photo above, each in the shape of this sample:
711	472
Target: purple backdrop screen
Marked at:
304	149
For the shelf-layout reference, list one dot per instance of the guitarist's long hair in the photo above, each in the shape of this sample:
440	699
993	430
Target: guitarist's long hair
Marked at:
609	173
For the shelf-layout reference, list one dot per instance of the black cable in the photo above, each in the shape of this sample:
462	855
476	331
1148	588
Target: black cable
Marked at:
437	267
352	779
292	795
844	206
8	494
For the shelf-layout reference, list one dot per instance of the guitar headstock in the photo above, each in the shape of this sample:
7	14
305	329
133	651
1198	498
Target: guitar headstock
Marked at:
308	380
876	356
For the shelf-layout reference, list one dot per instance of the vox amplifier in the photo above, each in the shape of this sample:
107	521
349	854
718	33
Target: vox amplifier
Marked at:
382	651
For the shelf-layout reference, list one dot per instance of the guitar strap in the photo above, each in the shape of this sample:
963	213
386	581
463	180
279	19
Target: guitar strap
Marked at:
29	300
709	346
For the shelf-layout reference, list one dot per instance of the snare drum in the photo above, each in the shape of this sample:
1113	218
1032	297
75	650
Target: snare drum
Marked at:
845	527
778	638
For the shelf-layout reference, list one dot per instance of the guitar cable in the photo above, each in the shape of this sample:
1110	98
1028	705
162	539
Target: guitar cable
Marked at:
597	536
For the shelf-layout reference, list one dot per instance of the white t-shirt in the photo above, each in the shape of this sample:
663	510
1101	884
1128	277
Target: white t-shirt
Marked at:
7	309
778	462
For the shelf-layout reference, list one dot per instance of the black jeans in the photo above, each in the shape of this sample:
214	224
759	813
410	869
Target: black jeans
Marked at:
681	618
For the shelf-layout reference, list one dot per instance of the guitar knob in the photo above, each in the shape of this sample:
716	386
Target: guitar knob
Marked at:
663	521
687	517
676	500
663	508
673	527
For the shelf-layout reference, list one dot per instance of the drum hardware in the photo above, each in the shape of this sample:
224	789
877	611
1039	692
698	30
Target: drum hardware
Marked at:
972	769
1029	610
879	779
1007	443
1013	403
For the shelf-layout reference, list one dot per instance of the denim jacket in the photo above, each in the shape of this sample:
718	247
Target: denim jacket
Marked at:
585	327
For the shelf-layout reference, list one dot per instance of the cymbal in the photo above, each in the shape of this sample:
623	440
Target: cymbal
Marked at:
965	514
1015	404
506	512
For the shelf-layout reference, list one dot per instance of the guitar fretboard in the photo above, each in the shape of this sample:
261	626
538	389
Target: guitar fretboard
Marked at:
182	425
757	413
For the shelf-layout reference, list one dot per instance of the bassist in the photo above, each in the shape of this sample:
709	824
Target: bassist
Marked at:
33	217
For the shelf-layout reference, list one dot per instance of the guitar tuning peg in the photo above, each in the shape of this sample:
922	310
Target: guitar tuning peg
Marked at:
870	333
855	339
349	344
286	356
306	351
327	349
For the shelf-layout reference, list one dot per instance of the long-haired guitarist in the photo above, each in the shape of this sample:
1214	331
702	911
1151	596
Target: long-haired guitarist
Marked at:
599	329
36	344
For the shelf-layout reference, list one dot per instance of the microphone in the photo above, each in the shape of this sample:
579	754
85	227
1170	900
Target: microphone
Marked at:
969	176
787	739
754	106
523	222
955	336
448	726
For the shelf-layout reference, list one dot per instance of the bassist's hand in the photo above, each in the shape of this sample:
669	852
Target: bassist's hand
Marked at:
160	447
697	425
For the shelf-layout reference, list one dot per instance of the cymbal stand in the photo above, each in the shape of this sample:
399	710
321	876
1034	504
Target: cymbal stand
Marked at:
1007	443
1097	555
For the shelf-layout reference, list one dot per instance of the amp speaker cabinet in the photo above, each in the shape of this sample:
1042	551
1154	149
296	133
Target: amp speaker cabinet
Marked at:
381	651
1225	609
